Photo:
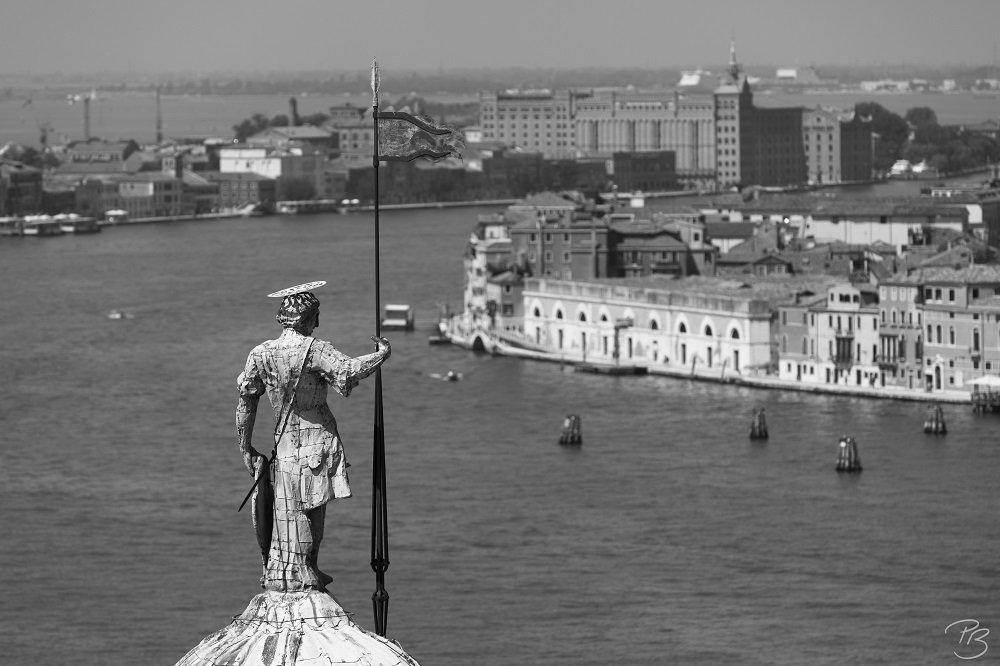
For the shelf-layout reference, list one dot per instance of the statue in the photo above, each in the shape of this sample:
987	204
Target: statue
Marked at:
308	464
296	620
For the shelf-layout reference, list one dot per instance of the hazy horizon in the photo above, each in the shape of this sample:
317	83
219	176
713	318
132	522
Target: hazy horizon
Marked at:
251	36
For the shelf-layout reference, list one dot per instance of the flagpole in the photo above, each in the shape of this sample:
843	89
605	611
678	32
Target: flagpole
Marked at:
380	528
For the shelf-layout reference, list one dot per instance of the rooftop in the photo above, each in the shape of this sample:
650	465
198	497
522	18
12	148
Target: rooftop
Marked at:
775	290
544	200
972	274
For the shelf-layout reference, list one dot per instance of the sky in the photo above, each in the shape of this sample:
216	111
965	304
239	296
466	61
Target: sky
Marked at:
203	36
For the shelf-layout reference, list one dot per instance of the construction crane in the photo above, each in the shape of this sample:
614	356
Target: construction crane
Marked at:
85	100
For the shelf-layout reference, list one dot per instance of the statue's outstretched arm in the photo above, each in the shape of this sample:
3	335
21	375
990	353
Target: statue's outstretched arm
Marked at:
342	372
371	362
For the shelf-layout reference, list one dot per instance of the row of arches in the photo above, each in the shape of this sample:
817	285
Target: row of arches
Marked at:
653	323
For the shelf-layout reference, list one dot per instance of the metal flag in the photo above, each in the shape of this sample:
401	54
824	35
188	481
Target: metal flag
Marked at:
403	137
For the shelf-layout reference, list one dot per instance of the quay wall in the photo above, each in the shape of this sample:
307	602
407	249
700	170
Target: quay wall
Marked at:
752	381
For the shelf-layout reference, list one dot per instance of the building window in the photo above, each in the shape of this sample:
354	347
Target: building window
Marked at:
565	238
534	238
548	256
951	295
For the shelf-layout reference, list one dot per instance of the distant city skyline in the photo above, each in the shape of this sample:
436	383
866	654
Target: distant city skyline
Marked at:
137	37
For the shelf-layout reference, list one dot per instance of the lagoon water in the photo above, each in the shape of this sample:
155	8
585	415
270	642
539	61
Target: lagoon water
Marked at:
668	537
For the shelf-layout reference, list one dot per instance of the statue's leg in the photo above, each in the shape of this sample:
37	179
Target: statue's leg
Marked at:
317	519
288	567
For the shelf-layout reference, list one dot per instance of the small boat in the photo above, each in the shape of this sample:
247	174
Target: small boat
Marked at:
11	226
115	216
398	316
74	224
901	169
41	227
450	376
118	314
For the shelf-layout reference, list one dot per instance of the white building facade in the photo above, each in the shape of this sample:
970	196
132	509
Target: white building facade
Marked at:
674	323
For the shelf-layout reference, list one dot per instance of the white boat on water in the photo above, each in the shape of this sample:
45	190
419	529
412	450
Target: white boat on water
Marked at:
115	216
41	225
75	224
900	169
398	316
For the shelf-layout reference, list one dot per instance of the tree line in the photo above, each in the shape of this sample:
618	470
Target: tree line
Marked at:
917	136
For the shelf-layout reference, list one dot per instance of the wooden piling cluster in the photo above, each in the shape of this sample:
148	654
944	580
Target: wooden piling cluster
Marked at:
572	434
848	459
758	424
934	422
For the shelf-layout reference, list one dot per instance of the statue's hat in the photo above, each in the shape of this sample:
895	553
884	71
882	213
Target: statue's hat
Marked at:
298	289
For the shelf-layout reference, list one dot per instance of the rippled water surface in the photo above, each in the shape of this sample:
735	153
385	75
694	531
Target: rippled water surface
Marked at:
669	537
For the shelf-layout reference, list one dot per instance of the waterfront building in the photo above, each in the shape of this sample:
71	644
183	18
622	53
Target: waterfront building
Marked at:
734	126
355	133
719	137
20	188
837	145
771	147
97	157
488	254
502	175
199	195
238	190
321	139
141	195
95	196
533	120
691	324
857	148
839	344
284	165
900	355
821	141
681	122
960	329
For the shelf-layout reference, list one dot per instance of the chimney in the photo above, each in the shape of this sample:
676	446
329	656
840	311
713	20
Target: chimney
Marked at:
179	166
159	119
293	116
